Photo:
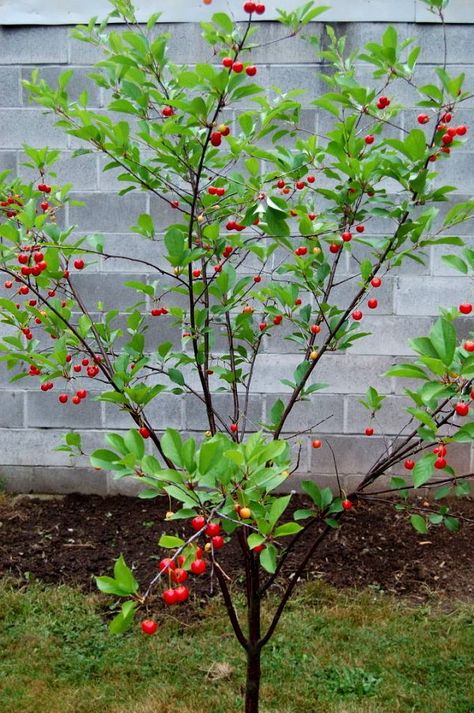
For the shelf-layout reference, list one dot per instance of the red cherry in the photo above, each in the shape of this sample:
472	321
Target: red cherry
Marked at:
199	553
409	464
62	398
258	548
44	205
149	626
315	329
298	301
372	304
228	62
198	566
234	427
259	9
79	264
447	139
369	431
346	236
82	394
461	130
213	529
440	463
237	67
447	117
452	131
334	248
465	308
167	111
360	228
312	216
249	7
216	138
440	450
257	278
423	118
461	408
179	575
369	139
181	593
174	204
251	71
469	346
316	443
346	504
23	259
8	284
24	290
376	282
166	564
198	522
299	185
218	542
357	315
169	597
76	400
278	319
144	432
262	326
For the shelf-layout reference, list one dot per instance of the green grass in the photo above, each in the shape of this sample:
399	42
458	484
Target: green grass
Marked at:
333	652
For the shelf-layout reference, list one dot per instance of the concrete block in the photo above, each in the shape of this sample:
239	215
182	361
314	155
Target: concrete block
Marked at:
195	416
8	162
390	335
289	77
80	171
10	86
307	414
44	411
345	373
107	212
457	171
70	480
79	83
415	297
32	447
132	246
354	454
390	420
165	411
11	409
108	289
128	486
272	47
33	45
29	126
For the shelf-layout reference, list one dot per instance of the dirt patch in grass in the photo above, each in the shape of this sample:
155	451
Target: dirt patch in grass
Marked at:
69	540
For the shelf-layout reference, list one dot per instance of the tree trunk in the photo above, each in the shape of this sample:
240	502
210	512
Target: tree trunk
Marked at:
252	689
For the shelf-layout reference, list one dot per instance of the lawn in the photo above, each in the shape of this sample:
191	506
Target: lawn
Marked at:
335	652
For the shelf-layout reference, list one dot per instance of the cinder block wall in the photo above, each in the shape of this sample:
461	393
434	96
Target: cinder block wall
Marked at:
31	424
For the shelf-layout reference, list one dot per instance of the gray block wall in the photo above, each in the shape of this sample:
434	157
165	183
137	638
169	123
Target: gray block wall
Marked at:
31	425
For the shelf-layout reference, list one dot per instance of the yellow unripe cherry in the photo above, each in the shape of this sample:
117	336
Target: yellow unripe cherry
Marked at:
245	513
313	355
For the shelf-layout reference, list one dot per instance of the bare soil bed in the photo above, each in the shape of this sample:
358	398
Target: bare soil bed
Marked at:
70	539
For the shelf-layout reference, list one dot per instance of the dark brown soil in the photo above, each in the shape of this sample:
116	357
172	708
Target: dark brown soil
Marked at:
71	539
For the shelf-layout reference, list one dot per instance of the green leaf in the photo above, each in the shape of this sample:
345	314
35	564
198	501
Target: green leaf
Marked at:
455	262
172	446
109	585
268	558
289	528
419	523
443	338
103	458
277	509
169	542
124	576
124	619
408	371
423	470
